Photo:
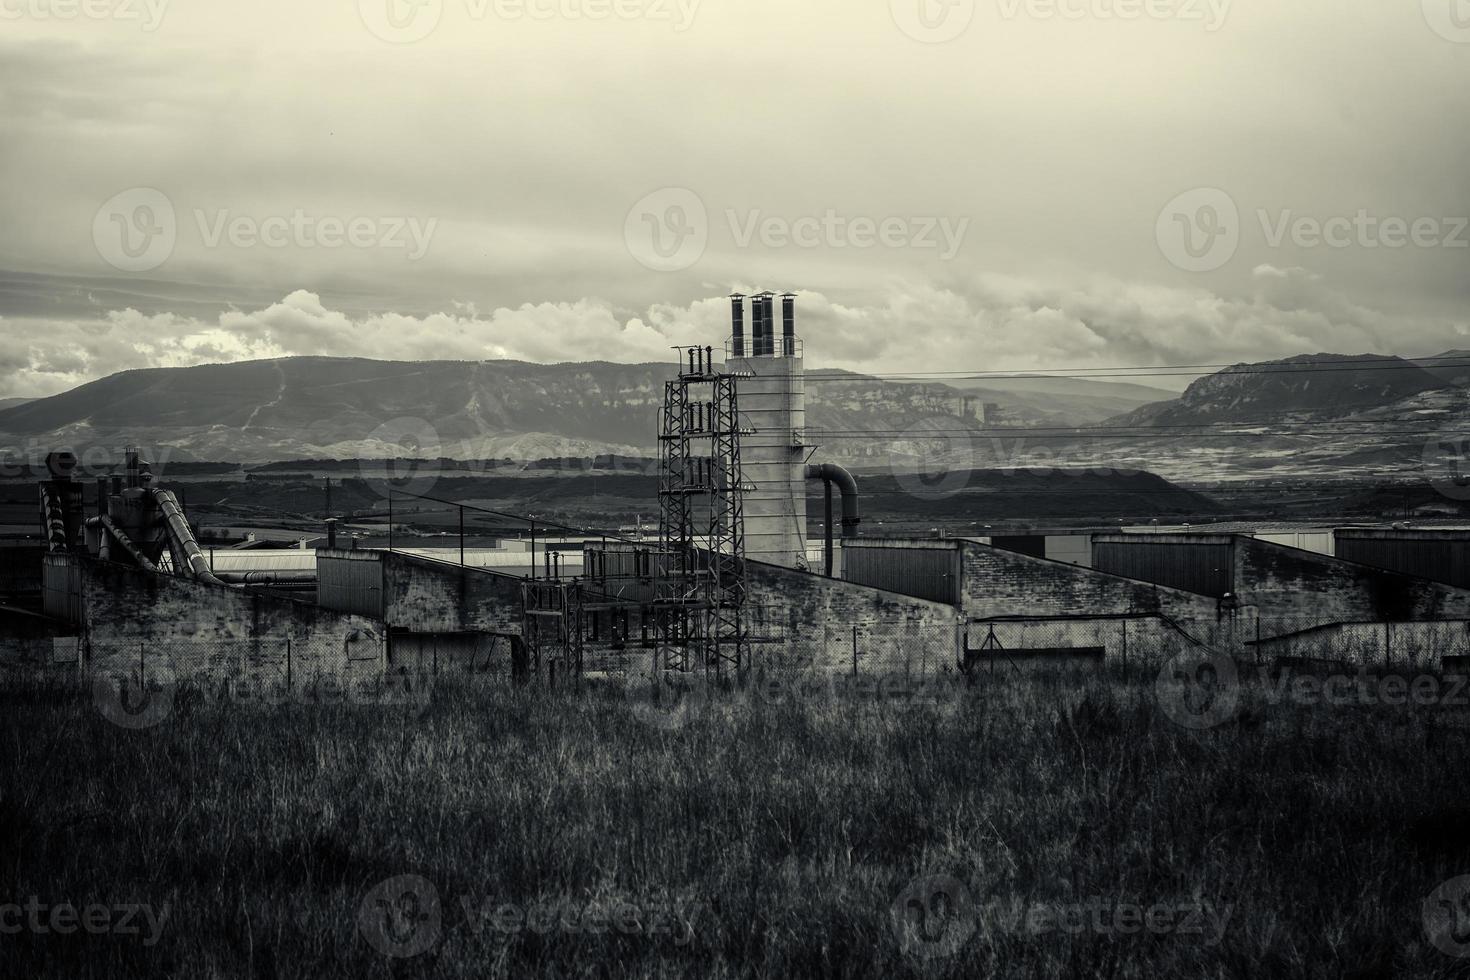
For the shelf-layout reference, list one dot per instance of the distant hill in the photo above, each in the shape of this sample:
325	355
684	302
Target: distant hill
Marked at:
1306	386
13	402
340	408
1453	366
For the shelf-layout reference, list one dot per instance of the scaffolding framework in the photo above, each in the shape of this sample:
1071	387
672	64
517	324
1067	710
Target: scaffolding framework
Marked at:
700	596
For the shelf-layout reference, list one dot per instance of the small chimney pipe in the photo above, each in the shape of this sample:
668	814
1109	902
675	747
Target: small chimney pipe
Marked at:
768	318
757	326
737	324
788	324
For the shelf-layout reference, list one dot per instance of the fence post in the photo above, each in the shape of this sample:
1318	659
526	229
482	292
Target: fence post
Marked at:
854	651
288	668
1125	646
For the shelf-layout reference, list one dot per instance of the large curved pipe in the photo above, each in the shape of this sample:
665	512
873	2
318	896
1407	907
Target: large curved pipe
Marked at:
290	576
833	475
183	538
126	545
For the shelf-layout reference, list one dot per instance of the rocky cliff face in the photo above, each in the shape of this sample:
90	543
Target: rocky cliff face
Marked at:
1307	386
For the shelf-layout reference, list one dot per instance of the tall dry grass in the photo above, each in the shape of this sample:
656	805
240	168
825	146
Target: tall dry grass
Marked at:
763	838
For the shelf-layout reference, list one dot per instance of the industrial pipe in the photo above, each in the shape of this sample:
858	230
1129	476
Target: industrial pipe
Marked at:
737	324
183	538
830	474
127	545
788	325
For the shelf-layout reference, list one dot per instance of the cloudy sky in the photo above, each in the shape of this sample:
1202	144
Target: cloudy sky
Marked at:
951	184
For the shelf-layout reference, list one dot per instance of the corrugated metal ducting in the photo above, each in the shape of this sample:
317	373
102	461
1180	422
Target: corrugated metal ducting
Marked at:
1443	556
61	589
350	585
1202	567
921	572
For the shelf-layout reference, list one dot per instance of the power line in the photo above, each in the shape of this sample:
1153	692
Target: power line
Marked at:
1386	363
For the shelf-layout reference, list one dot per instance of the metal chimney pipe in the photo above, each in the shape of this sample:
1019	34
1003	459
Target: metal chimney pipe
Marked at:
737	324
757	326
788	324
768	319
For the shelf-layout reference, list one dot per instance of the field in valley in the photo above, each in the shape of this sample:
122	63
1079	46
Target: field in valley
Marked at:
1029	826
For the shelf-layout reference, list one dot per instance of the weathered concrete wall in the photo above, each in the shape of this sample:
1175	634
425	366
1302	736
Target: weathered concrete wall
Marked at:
817	615
424	596
211	629
997	582
1297	589
1142	641
1290	589
1423	645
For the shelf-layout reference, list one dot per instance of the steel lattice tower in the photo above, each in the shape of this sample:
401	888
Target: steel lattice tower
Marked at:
701	594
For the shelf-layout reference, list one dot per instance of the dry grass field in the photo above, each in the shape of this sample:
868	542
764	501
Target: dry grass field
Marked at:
1031	826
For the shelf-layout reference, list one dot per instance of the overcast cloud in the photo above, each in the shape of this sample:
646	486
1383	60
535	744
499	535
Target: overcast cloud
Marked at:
1000	200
